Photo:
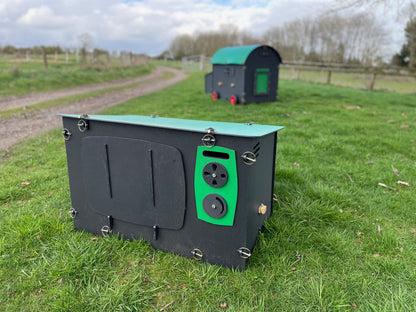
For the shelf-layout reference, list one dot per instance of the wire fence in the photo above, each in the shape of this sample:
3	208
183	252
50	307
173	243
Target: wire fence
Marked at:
122	58
350	75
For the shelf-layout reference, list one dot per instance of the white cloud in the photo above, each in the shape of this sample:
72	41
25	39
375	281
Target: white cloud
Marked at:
140	25
41	16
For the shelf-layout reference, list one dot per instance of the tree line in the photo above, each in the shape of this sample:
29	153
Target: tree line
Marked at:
331	38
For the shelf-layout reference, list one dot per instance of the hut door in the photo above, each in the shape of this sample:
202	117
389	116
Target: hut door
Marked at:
262	81
135	181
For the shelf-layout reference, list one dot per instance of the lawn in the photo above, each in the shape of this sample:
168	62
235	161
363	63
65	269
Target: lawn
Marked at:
23	77
400	84
342	236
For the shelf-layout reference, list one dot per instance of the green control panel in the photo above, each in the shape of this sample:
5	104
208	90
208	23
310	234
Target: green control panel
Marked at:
216	185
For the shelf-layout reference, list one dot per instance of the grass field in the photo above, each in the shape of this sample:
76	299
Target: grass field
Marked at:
338	240
22	77
400	84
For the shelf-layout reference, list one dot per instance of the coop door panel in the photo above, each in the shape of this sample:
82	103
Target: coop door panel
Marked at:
136	181
262	77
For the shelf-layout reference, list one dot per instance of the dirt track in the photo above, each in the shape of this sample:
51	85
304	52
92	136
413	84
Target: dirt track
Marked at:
14	129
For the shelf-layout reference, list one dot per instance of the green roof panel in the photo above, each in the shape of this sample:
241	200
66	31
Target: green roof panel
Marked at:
225	128
233	55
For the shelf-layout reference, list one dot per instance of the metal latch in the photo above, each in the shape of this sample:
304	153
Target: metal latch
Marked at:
249	158
107	229
72	213
66	133
82	123
209	139
197	254
244	252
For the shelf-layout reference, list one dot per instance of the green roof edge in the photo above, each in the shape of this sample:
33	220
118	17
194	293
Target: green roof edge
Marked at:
233	55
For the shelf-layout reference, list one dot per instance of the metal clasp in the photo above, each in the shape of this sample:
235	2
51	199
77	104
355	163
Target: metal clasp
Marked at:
66	133
197	254
107	229
244	252
82	125
208	140
249	158
72	213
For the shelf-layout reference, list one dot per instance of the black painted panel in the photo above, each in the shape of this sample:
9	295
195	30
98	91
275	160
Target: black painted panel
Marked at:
134	180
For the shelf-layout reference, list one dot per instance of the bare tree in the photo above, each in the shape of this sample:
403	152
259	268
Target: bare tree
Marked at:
399	7
181	46
329	38
388	4
207	43
86	41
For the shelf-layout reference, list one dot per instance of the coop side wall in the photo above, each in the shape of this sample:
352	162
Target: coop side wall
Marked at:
228	80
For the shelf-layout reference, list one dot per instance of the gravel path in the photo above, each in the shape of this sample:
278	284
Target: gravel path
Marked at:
35	98
14	129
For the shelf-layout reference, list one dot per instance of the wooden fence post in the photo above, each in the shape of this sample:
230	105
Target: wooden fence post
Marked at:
328	78
292	73
201	63
45	58
372	81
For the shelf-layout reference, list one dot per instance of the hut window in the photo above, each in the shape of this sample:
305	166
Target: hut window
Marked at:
229	71
262	80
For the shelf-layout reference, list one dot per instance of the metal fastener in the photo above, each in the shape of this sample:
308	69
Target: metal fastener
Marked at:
208	140
262	209
105	230
244	252
82	125
248	158
197	254
72	213
66	133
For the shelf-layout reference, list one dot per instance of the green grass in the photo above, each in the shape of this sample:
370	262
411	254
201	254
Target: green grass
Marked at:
337	241
19	78
400	84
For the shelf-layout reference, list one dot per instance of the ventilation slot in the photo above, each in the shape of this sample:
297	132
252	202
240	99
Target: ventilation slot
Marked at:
216	154
256	149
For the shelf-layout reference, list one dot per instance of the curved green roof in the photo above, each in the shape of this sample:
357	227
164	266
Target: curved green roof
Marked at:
233	55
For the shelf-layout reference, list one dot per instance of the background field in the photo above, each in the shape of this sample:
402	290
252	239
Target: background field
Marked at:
19	77
401	84
337	240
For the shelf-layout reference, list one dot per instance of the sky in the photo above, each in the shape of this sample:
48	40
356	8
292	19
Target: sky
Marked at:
146	26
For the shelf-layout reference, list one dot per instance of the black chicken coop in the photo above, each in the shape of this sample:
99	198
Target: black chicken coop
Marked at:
244	74
200	189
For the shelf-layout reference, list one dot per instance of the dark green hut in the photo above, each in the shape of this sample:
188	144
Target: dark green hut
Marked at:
244	74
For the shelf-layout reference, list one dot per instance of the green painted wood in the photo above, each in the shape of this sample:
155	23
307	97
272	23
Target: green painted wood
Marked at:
229	191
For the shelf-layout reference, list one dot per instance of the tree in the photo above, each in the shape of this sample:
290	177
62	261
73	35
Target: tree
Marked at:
181	46
410	33
9	49
329	38
387	4
86	42
402	58
207	43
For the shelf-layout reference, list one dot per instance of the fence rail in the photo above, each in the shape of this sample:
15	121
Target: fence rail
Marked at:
369	74
372	72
